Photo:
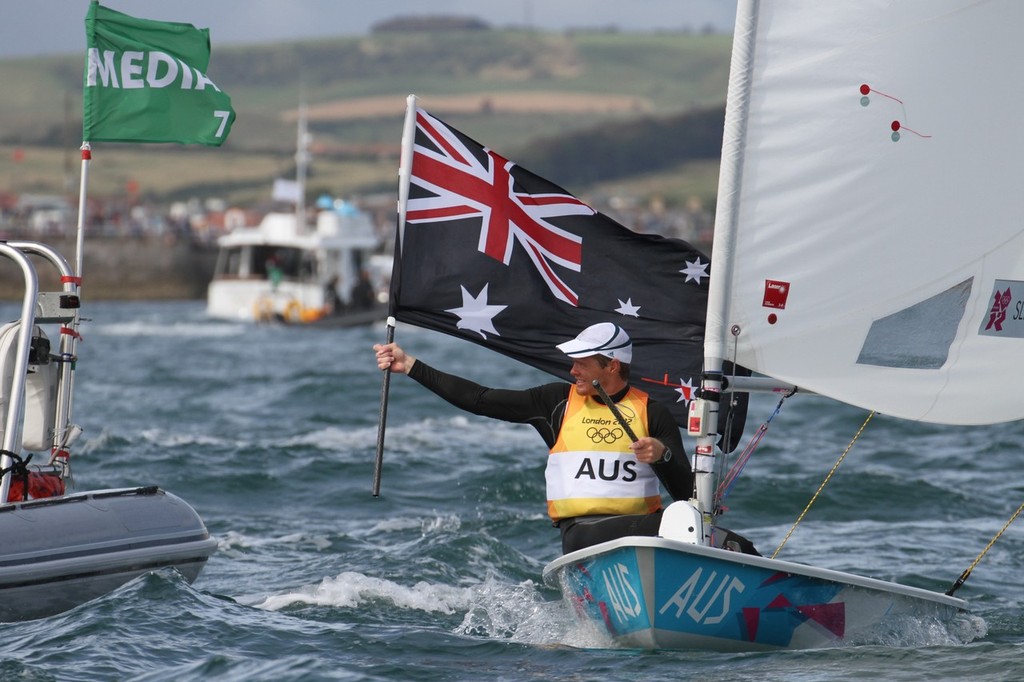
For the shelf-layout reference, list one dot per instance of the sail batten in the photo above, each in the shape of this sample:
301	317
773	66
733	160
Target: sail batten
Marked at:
878	252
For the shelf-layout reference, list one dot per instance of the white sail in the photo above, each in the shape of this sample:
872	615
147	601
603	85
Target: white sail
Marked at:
870	236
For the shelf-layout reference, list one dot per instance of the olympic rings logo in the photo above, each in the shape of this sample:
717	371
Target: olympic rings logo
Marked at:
608	436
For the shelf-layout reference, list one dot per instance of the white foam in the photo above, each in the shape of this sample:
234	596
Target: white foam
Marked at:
516	612
232	542
350	589
143	328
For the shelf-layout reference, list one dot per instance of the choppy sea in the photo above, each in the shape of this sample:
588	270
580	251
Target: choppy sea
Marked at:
270	433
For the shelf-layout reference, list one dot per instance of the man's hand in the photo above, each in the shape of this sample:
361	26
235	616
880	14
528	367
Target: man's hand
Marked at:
648	450
391	355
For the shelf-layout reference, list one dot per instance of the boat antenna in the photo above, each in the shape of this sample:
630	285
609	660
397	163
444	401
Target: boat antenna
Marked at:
301	164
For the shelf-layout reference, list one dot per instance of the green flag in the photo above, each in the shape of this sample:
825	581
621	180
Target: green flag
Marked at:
145	81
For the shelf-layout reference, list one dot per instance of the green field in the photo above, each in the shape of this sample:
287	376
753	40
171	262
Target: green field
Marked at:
511	90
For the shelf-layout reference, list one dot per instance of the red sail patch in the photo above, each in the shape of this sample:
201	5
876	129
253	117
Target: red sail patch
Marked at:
775	294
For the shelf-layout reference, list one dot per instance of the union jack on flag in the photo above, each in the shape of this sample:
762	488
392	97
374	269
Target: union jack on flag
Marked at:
499	256
465	185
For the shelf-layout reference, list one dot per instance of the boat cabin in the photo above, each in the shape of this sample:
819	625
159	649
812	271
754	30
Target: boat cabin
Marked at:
283	270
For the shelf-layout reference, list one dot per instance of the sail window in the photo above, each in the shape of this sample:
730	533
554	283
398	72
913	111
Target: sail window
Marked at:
917	337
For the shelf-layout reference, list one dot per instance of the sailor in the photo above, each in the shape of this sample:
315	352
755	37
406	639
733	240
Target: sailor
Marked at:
363	296
332	300
601	485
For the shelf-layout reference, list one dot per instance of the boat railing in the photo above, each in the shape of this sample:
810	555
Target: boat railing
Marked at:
41	308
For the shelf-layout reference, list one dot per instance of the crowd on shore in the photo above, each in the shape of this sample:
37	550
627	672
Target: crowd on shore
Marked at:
54	217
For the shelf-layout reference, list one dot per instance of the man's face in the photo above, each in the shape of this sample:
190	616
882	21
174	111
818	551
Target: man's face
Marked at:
585	370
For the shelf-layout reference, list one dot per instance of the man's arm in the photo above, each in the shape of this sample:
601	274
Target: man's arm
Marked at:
535	406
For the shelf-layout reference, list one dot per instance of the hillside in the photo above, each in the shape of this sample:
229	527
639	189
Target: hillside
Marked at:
587	110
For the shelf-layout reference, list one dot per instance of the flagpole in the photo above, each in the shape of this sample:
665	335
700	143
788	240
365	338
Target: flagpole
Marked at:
69	338
82	193
404	175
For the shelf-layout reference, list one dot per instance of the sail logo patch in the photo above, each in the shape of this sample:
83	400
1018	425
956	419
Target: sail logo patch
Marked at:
1006	310
775	294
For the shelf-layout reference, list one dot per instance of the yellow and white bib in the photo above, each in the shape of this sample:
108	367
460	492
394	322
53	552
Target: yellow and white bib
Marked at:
591	469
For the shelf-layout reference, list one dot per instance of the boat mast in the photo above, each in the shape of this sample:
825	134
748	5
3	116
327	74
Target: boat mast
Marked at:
706	408
301	166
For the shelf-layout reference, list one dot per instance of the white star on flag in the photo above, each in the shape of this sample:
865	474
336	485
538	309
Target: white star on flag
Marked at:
628	308
695	270
476	315
685	390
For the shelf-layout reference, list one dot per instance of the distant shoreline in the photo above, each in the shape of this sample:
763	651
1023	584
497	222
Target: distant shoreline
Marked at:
115	268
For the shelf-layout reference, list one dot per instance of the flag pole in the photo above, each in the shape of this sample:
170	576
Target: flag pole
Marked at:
83	191
71	334
404	175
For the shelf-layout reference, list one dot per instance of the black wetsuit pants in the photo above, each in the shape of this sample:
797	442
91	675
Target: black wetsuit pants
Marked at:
584	531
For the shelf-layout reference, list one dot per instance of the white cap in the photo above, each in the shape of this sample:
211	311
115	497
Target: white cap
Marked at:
604	338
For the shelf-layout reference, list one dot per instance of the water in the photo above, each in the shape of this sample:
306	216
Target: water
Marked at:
270	434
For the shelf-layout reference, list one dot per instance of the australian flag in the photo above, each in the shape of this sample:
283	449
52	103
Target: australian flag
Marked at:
498	256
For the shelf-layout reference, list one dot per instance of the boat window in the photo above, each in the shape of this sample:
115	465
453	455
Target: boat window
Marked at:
917	337
229	262
287	260
307	266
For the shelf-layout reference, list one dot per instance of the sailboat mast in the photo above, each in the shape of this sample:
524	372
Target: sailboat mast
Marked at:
727	218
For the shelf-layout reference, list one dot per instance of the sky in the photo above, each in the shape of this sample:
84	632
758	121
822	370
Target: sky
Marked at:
49	27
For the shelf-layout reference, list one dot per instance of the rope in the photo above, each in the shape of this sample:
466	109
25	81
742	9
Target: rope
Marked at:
729	480
733	400
726	440
963	576
823	483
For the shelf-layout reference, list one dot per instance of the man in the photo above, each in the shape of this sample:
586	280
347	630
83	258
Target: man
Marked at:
332	299
600	486
363	296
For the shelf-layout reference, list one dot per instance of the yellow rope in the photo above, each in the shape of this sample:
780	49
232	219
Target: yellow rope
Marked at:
965	574
823	483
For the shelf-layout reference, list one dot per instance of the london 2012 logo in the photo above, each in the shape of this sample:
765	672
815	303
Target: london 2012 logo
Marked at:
1006	310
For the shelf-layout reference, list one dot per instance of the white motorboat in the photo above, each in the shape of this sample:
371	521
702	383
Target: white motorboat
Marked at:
286	270
282	270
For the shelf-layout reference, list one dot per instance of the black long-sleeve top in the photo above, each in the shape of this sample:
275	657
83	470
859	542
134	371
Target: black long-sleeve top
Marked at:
543	408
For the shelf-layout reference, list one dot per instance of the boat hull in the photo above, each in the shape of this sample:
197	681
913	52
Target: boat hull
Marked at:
61	552
300	305
655	593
